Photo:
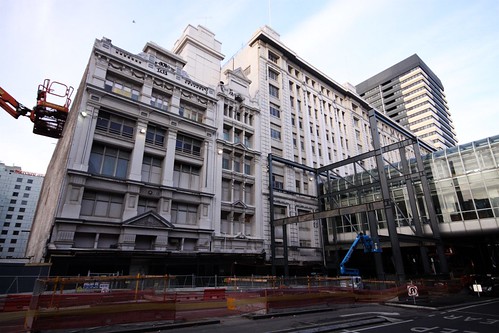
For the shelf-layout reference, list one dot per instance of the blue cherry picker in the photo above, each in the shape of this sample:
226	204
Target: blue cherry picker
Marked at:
370	246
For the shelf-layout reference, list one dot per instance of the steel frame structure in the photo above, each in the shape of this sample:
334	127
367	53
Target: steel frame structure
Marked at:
328	209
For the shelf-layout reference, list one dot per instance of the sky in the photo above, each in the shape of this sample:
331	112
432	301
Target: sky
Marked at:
348	40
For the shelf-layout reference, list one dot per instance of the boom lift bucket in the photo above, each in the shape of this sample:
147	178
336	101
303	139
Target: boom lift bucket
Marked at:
50	117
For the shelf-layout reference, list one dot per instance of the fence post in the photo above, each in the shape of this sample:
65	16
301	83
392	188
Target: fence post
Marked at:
137	285
164	287
266	302
31	314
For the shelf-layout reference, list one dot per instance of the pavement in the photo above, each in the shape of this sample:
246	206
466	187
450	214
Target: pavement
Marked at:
429	302
438	302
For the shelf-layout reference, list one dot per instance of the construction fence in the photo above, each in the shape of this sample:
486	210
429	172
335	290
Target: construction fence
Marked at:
83	302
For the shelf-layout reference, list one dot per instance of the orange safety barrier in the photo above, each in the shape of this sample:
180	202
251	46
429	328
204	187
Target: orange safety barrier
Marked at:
75	303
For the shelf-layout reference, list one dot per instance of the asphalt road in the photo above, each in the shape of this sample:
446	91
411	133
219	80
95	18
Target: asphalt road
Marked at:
480	317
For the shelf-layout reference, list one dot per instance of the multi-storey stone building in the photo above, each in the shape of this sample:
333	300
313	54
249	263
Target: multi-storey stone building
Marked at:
163	164
19	191
145	146
412	95
308	119
163	167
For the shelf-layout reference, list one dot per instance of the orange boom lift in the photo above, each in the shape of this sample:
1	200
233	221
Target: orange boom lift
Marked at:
47	116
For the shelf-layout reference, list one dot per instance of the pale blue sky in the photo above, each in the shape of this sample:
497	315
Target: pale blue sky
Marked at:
349	40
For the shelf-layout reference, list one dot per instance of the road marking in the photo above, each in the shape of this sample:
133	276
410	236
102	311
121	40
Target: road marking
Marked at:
371	313
474	305
378	326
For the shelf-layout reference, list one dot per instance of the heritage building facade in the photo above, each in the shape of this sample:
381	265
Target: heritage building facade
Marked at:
166	162
167	158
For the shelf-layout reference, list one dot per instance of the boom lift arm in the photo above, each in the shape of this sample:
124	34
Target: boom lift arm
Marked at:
369	246
48	118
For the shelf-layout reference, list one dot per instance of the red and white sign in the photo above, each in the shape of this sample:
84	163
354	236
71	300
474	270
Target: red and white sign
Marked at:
412	290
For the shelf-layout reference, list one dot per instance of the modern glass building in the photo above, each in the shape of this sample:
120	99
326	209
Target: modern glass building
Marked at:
464	187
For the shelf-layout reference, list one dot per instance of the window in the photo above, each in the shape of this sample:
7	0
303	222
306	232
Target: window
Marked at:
30	181
236	191
160	102
237	135
18	225
20	217
19	180
226	133
155	136
17	187
151	169
273	57
273	75
122	88
11	209
248	194
237	163
15	232
114	124
8	216
187	168
28	188
226	161
273	91
183	213
188	145
274	111
15	194
13	201
22	210
101	204
108	161
247	165
226	190
26	195
186	175
275	134
146	205
24	202
247	139
189	112
278	181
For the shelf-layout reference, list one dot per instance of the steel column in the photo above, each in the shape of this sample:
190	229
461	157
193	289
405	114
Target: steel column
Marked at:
385	193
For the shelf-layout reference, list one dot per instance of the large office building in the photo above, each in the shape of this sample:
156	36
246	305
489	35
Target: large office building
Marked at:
167	165
412	95
19	192
174	163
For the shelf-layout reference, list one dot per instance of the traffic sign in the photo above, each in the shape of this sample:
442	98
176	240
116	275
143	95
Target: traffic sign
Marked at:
412	290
